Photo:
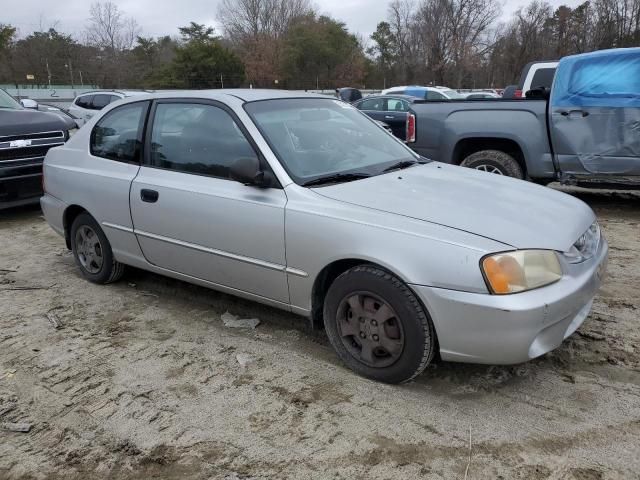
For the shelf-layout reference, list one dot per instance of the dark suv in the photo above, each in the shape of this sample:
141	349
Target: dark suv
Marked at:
25	137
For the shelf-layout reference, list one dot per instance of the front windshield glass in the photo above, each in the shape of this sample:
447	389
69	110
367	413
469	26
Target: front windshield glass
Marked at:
7	101
314	137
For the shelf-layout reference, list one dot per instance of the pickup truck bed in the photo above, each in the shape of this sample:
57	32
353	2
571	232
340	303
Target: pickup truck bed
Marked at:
451	131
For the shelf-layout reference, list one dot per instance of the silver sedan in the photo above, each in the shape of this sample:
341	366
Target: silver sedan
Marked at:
301	202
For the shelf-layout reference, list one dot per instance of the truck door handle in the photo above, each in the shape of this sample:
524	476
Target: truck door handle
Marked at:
149	196
566	113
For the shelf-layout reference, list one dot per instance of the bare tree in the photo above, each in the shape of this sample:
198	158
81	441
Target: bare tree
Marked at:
109	29
252	18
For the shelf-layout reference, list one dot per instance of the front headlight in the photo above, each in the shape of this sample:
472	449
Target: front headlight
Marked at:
586	246
520	270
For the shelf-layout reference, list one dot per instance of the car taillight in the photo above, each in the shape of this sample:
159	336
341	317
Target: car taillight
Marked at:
518	94
411	128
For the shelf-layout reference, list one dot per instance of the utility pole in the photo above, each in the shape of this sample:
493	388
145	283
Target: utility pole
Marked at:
221	81
70	72
48	72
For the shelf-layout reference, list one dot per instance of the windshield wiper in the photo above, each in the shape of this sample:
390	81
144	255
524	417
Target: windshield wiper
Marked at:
336	178
400	165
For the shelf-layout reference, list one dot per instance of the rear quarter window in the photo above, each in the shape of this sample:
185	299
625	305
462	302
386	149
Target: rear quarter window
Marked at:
118	135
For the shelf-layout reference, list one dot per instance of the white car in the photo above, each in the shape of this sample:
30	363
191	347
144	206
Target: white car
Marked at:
425	93
86	105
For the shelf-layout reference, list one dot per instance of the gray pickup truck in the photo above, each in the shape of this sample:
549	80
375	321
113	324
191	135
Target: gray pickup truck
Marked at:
587	130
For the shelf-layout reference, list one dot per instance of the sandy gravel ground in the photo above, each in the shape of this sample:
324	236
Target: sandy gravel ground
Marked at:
141	379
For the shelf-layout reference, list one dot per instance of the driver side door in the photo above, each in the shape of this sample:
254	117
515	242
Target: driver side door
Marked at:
191	218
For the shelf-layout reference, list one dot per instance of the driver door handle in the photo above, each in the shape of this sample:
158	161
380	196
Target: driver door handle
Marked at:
567	113
149	196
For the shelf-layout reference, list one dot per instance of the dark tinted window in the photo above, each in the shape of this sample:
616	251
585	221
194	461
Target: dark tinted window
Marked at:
196	138
85	101
118	135
376	104
543	78
433	95
100	101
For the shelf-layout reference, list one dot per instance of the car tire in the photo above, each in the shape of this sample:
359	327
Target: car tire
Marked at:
92	251
391	350
494	161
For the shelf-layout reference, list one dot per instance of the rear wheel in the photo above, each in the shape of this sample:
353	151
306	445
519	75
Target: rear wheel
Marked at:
377	325
92	251
494	161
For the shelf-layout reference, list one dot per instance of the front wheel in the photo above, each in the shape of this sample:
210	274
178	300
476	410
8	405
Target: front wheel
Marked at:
377	325
92	251
494	161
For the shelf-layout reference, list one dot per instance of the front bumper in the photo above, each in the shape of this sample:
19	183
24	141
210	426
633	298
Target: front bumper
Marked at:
509	329
20	184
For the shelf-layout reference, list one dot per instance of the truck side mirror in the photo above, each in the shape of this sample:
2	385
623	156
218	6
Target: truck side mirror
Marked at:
539	93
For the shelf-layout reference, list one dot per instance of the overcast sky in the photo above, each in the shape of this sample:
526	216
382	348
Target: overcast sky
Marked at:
162	17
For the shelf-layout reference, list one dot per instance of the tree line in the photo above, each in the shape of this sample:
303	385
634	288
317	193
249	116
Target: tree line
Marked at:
289	44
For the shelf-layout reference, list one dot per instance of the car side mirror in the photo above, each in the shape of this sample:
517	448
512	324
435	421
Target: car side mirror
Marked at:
28	103
247	170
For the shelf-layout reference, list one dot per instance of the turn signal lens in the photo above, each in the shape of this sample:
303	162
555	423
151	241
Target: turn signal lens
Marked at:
521	270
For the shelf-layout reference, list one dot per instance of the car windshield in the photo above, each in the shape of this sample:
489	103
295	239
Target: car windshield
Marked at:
314	138
7	101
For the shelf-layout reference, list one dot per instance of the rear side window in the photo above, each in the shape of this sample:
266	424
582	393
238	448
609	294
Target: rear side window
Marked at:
433	95
100	101
599	80
395	105
118	135
196	138
85	101
543	78
376	104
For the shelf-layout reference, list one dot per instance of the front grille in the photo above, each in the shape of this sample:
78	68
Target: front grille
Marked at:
27	152
33	145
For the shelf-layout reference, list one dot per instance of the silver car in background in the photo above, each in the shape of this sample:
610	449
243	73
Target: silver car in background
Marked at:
301	202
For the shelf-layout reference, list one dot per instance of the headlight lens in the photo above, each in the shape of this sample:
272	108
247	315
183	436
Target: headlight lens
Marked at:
586	246
71	132
521	270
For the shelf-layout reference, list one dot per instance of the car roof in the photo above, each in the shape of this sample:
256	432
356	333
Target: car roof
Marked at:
401	96
242	94
125	93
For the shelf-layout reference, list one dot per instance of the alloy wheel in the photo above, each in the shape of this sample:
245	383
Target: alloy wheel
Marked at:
89	249
489	169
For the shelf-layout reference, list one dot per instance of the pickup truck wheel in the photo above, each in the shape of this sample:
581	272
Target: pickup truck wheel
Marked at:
92	251
377	326
494	161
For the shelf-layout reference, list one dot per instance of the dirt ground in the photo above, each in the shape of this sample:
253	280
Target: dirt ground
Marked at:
141	379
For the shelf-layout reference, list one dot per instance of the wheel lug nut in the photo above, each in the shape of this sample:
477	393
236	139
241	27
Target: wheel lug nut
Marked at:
374	323
363	335
375	338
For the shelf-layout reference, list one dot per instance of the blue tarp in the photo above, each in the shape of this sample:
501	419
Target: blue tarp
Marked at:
607	78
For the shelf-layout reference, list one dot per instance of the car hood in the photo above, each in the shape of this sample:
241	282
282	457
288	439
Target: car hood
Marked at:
21	122
513	212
